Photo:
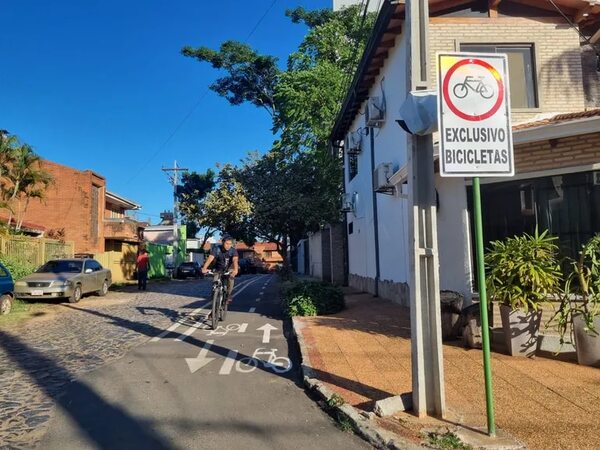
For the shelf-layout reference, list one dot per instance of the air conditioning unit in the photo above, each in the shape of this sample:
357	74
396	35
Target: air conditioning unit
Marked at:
347	202
381	179
596	178
353	143
375	112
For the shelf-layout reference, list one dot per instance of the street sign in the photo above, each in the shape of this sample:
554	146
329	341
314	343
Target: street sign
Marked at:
474	115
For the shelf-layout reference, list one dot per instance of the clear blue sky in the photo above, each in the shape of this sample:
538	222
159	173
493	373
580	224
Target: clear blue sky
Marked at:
101	85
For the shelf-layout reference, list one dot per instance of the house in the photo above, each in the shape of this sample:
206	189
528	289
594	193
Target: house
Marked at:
261	254
79	203
555	99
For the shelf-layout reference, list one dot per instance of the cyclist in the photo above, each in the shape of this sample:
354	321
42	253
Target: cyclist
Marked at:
226	259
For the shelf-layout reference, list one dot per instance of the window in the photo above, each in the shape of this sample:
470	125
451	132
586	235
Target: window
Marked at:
94	213
351	228
568	206
268	254
3	273
521	70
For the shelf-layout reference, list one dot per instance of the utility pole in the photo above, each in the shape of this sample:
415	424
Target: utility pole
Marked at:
173	174
428	391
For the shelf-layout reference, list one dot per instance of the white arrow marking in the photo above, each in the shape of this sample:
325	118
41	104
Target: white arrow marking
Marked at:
252	309
228	363
266	329
201	360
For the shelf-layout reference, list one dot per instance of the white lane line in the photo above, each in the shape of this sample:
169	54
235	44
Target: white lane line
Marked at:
177	324
252	309
228	363
243	328
189	331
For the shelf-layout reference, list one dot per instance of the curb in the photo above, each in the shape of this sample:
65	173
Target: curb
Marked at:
364	427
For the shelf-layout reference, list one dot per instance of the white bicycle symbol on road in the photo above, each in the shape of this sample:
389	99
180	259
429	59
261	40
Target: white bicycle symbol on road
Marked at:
278	364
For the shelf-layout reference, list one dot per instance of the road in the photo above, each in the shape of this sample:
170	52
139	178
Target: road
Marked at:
145	370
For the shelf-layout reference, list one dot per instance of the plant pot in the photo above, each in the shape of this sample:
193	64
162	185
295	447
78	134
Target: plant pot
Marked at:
587	345
521	330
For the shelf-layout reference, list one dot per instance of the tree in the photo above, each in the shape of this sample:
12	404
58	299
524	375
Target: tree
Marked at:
228	209
191	195
251	77
21	178
295	187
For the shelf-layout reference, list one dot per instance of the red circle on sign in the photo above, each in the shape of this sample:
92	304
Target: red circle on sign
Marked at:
454	108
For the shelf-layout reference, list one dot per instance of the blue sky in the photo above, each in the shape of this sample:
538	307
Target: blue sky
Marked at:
101	85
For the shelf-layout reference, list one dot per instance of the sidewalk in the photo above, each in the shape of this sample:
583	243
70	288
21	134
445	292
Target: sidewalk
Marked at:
363	354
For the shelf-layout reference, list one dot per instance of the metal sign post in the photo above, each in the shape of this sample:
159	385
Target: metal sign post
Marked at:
476	140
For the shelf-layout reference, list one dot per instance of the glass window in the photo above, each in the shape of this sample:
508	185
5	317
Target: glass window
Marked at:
59	266
3	273
352	166
521	71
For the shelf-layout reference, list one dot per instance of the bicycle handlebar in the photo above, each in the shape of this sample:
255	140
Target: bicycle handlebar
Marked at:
212	272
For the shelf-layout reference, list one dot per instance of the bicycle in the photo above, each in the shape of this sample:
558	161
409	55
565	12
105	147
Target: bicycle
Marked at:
219	304
480	88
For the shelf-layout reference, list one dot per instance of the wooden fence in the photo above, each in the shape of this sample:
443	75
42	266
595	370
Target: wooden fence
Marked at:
35	251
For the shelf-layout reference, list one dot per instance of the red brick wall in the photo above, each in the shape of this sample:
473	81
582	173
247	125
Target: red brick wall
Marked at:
67	204
565	152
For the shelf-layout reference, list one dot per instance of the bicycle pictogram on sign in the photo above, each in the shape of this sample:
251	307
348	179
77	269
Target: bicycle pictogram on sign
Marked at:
476	85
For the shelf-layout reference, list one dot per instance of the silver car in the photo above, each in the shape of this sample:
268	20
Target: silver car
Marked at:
65	278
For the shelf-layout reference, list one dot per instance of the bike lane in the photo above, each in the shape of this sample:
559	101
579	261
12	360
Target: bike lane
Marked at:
196	388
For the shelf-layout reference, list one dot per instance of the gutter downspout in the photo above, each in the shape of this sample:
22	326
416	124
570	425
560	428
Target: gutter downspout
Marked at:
375	215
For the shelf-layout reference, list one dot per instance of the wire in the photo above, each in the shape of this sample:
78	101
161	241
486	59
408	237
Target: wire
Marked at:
193	109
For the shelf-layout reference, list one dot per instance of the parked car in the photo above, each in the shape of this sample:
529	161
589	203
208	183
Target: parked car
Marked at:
189	269
6	290
65	278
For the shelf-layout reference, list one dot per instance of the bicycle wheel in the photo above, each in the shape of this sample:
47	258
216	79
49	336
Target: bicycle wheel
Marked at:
460	90
486	91
215	308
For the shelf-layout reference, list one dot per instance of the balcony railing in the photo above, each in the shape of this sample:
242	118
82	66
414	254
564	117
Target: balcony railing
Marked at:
123	228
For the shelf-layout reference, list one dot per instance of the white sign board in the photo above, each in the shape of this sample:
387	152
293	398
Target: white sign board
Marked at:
474	115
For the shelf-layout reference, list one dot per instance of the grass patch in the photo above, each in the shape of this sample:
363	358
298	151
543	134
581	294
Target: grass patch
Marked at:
21	309
446	441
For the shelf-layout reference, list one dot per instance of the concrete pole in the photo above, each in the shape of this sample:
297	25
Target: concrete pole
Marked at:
425	313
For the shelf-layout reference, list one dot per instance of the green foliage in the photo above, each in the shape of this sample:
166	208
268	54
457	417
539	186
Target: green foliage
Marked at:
18	269
311	298
21	177
191	196
522	271
581	292
250	77
446	441
294	188
335	401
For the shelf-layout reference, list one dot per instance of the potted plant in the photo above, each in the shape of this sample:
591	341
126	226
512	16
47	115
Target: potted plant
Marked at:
578	314
522	271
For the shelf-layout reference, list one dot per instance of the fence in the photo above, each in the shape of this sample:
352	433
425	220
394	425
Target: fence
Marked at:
122	263
35	251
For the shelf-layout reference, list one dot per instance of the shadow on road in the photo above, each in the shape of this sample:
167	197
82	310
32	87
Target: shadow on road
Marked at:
104	424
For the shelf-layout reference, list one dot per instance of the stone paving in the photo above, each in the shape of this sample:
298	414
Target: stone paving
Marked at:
40	357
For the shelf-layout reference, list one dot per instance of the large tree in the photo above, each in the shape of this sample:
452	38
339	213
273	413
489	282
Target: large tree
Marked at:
294	188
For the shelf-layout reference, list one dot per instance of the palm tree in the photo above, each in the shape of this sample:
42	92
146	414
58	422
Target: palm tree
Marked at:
21	177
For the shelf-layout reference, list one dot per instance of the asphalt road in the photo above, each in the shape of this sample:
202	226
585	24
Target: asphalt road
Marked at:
191	387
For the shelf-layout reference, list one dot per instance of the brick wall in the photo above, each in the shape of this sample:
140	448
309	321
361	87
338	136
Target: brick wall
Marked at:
67	204
556	47
558	153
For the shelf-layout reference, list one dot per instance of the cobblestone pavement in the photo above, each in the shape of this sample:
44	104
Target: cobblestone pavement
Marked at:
40	357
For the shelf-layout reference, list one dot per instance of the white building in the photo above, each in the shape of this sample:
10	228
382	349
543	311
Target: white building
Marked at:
375	154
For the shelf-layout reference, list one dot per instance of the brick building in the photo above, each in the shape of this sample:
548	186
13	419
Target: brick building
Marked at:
555	97
78	202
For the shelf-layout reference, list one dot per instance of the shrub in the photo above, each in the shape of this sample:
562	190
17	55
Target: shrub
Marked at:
309	298
523	270
17	269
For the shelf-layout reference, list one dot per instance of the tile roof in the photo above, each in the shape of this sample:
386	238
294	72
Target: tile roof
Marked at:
559	118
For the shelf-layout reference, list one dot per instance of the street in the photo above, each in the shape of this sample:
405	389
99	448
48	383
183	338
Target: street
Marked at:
144	370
